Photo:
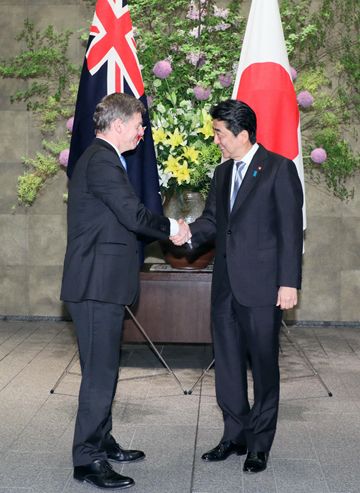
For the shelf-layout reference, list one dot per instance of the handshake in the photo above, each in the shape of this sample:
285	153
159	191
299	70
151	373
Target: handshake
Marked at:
183	235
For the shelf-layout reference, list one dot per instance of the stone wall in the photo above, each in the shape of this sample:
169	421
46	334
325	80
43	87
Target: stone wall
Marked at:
33	239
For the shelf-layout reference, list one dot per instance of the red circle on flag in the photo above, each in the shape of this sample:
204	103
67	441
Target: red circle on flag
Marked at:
269	91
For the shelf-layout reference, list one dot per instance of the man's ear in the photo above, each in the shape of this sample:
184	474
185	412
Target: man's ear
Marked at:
117	125
244	136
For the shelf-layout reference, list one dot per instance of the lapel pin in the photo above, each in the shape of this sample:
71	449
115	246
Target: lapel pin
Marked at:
255	173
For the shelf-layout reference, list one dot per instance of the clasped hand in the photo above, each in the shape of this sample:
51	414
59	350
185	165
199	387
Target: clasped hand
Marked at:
183	235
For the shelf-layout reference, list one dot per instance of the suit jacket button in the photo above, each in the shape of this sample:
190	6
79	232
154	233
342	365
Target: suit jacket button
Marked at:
229	231
224	255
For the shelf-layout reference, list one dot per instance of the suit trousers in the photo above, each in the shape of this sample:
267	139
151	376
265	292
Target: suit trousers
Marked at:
98	329
243	335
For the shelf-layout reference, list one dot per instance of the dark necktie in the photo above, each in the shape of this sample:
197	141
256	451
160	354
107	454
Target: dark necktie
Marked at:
240	165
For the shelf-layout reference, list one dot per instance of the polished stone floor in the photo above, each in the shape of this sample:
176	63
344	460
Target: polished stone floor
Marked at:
316	449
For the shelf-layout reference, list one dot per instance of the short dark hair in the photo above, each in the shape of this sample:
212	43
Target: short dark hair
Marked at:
114	106
237	116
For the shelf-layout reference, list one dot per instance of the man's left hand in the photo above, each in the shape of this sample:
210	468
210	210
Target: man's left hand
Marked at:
287	297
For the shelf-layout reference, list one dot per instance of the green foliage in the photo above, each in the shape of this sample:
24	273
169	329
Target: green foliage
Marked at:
311	80
42	167
324	46
45	165
162	32
55	147
52	80
28	187
338	167
44	63
210	157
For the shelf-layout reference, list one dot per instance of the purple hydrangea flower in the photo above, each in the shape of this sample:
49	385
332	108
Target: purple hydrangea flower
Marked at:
64	157
305	99
201	93
196	59
70	124
162	69
318	155
225	79
219	12
194	33
293	73
222	26
193	13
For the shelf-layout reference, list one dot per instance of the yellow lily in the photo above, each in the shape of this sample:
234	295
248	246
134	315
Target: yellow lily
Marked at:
207	128
171	165
182	174
175	139
159	136
191	154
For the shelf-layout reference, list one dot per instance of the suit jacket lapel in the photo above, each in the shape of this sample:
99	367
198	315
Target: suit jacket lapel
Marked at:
226	186
103	143
251	177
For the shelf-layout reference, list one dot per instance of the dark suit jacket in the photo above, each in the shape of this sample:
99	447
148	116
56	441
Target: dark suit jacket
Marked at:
104	217
260	242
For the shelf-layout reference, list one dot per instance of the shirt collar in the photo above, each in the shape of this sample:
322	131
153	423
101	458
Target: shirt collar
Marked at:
249	155
112	145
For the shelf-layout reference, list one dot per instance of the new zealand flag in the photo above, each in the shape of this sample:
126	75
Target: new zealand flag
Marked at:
111	65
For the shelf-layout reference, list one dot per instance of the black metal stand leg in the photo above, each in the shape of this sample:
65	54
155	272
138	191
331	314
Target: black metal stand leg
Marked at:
138	325
304	355
157	353
201	377
66	370
294	344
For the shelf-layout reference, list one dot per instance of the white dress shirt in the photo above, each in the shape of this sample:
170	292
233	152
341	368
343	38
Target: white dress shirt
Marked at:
247	160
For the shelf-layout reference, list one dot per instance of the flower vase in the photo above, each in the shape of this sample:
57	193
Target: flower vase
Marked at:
188	205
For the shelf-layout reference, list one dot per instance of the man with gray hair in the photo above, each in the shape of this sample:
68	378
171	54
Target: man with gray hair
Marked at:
101	277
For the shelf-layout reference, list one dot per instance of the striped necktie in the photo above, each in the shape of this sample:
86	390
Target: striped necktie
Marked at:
240	165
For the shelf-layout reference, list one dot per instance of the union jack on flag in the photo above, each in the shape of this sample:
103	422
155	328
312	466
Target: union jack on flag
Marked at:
113	43
111	65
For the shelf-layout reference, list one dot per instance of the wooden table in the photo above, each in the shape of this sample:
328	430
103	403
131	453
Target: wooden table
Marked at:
174	307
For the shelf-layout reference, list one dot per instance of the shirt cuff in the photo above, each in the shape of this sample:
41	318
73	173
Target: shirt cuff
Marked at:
174	227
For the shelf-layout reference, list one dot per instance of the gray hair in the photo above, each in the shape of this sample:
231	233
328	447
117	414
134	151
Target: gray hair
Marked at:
114	106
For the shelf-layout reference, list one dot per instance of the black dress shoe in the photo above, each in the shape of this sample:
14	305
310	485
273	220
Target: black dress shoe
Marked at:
256	461
116	453
100	473
223	450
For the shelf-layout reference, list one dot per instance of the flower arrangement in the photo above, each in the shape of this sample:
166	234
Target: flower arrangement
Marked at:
185	73
185	152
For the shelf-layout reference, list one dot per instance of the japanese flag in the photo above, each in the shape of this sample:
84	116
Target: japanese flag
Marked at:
263	81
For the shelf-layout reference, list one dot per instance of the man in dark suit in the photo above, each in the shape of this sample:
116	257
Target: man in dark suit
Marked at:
101	277
254	213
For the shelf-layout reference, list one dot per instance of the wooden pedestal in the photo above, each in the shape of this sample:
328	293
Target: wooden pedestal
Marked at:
174	307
